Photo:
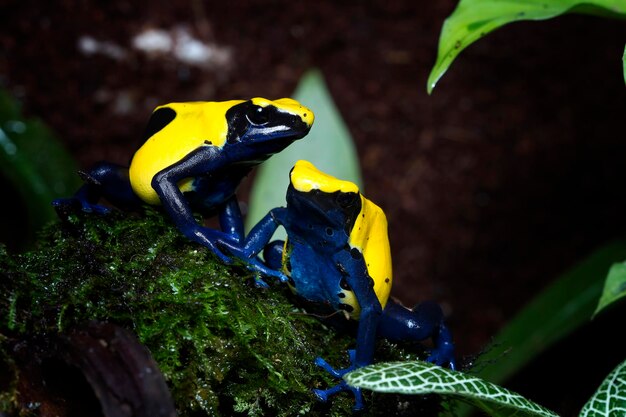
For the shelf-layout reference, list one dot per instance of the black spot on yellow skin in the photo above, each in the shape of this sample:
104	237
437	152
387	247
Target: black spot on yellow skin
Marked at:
341	295
387	280
159	119
208	142
355	253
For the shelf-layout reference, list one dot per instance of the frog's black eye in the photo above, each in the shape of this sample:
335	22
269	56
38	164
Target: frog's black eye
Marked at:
258	115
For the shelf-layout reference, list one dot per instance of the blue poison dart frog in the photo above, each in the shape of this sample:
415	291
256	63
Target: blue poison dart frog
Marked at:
337	253
193	157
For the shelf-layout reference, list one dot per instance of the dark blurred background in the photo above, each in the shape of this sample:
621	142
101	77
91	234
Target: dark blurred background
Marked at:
511	172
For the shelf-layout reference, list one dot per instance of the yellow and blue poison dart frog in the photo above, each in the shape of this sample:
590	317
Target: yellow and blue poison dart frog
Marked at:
337	253
193	157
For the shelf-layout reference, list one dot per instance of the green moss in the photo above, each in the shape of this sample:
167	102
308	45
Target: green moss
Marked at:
223	345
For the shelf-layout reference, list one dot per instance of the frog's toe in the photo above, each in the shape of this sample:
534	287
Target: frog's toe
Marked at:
260	283
75	203
337	373
321	363
220	255
324	395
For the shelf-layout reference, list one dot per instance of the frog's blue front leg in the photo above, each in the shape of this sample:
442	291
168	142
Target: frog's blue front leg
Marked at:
256	241
165	183
262	232
324	395
353	268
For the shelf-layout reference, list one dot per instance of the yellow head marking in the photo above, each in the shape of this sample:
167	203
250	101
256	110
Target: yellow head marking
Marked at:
305	177
288	105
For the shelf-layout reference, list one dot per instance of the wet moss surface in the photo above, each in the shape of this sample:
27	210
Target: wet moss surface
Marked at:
224	346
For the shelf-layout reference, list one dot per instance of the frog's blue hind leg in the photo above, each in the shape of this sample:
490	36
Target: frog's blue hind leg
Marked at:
103	180
273	254
351	265
425	320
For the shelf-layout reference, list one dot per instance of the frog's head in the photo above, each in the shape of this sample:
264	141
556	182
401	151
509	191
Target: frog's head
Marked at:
267	126
325	207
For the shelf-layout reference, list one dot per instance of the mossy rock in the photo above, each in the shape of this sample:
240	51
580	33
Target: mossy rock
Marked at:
224	346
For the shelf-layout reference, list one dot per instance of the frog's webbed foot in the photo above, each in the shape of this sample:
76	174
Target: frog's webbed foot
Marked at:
214	240
342	386
64	205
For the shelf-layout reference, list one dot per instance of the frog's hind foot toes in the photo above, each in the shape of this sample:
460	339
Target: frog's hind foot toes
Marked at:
65	206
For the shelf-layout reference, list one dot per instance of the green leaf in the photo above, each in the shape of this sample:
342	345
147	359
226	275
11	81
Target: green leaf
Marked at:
425	378
328	146
614	286
473	19
610	398
562	307
34	164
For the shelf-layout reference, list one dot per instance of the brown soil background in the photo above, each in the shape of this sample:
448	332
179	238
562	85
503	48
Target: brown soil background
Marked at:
506	176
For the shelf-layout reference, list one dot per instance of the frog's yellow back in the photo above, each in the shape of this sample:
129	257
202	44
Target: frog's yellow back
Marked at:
194	124
369	235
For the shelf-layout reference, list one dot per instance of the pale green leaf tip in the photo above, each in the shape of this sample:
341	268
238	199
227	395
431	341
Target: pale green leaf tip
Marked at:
432	82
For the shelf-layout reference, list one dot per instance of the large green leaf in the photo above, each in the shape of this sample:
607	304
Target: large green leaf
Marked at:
614	286
610	399
562	307
425	378
328	146
34	165
473	19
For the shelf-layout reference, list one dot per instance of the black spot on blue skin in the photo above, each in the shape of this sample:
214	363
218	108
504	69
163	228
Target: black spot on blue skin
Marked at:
346	307
159	119
355	253
329	231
